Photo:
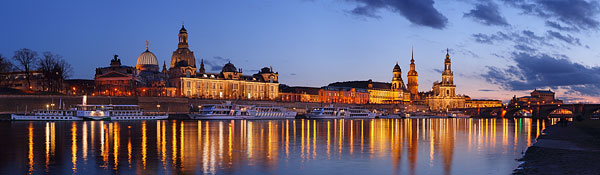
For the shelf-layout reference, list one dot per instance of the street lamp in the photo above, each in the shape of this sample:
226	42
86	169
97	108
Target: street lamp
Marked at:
47	106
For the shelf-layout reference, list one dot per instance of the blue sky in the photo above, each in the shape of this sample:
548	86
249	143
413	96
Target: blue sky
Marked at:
499	48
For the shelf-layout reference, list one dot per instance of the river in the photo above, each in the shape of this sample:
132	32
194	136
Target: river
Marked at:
301	146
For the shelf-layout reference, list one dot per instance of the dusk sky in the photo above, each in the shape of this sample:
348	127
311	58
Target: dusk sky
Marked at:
498	48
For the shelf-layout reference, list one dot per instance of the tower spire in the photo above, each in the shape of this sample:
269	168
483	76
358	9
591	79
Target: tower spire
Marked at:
447	53
412	54
147	45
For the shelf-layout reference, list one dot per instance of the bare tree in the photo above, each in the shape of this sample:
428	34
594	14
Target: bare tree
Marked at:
55	71
26	59
5	66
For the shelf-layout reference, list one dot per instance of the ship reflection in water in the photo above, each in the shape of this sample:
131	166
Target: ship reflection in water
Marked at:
378	146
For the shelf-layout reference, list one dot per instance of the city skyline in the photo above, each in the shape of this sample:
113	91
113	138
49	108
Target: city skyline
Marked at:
496	58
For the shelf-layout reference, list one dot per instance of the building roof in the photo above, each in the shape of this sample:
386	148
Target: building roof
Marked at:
363	84
300	90
229	67
543	91
146	58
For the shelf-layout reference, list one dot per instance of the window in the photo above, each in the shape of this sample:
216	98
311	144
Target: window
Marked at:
188	84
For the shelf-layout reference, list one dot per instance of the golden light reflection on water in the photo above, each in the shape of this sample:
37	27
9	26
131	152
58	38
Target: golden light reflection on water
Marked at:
189	147
30	148
74	146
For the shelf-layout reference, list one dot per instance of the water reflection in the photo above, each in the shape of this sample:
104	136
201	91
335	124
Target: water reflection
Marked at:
387	146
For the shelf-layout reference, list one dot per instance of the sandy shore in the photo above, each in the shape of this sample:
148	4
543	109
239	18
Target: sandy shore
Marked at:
570	149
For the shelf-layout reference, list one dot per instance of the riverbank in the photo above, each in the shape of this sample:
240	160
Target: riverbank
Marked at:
570	149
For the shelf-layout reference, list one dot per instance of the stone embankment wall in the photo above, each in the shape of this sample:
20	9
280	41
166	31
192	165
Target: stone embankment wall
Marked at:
173	105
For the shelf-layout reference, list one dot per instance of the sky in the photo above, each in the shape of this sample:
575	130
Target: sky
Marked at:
499	48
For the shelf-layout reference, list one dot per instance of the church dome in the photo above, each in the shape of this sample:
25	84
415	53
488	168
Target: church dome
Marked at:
229	68
147	58
147	61
397	68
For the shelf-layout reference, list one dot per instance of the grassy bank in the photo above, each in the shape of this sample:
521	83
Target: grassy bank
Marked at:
571	149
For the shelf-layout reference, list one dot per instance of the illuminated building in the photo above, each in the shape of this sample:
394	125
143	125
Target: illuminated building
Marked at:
116	80
150	81
413	85
79	87
401	94
230	83
381	92
183	62
482	103
443	96
348	95
144	79
298	94
537	97
18	80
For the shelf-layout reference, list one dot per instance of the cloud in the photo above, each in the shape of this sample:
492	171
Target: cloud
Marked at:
419	12
566	38
560	27
487	90
438	70
293	74
488	14
545	71
215	63
576	14
524	36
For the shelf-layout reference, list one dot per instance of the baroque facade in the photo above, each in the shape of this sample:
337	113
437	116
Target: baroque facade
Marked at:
230	83
443	95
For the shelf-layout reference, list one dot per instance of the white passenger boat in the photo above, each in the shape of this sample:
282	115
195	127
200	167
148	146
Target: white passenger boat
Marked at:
273	112
230	111
340	112
93	112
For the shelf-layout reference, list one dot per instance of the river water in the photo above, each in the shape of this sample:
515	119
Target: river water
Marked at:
301	146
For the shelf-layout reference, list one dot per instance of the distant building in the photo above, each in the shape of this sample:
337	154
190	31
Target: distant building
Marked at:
18	80
482	103
79	87
347	95
443	96
381	92
149	80
116	80
299	94
413	85
537	97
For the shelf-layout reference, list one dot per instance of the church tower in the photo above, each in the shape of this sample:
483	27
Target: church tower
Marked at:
397	83
202	70
413	85
183	62
447	87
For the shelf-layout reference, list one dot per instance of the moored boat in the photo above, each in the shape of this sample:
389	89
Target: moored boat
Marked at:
230	111
92	112
340	112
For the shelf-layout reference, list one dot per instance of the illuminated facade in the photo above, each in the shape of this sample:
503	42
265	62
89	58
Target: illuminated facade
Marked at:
443	96
18	80
380	92
348	95
537	97
116	80
230	83
482	103
299	94
413	85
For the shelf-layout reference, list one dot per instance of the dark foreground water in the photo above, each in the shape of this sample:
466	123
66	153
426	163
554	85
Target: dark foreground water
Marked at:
378	146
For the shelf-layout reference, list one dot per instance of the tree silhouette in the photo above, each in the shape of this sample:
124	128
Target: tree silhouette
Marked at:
26	59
